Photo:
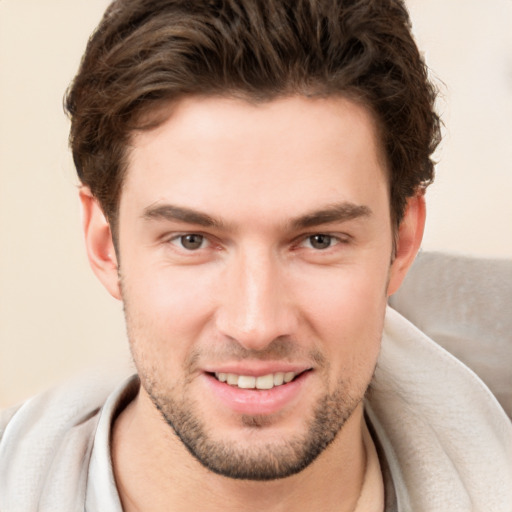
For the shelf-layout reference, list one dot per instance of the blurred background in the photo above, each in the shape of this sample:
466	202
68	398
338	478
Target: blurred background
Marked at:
55	318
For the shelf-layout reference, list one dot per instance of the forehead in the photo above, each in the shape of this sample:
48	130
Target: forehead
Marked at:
284	153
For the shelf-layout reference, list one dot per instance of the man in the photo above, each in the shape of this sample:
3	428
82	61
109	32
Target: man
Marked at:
253	178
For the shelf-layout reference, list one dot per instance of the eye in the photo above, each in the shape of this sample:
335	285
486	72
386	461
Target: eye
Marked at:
321	241
190	241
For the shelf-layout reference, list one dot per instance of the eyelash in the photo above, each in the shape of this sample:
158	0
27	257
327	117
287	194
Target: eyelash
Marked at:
334	240
178	239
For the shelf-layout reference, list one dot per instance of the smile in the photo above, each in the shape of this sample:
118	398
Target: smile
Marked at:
250	382
257	391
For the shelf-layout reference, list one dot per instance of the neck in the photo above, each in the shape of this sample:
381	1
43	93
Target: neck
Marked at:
153	469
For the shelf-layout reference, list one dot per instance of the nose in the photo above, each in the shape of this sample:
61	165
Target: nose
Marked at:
255	305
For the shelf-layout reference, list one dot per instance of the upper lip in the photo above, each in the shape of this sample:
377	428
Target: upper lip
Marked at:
257	369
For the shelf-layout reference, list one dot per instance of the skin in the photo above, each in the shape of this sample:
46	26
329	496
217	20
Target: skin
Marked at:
256	294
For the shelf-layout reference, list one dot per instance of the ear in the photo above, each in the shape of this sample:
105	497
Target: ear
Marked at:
99	244
410	234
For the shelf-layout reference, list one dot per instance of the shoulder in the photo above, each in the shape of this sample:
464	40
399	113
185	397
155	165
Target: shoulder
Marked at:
47	441
5	417
444	435
463	304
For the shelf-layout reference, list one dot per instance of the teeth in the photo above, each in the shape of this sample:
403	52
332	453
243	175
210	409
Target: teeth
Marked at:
246	382
278	378
250	382
265	382
288	377
232	379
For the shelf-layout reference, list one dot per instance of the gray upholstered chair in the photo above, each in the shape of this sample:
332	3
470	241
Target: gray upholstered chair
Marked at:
465	305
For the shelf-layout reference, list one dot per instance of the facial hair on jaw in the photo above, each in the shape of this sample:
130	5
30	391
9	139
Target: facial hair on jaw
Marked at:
272	460
267	461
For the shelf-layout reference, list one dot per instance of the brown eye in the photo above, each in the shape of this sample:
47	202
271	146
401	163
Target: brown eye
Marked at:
320	241
192	241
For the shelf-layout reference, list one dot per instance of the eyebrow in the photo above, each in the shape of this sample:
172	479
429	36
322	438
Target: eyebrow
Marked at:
341	212
178	213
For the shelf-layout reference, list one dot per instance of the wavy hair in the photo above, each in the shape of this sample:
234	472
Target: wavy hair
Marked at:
148	52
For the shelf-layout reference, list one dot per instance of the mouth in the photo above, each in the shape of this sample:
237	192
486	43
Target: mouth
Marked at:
263	382
263	394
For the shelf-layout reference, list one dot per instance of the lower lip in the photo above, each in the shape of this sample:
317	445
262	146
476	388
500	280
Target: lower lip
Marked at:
255	401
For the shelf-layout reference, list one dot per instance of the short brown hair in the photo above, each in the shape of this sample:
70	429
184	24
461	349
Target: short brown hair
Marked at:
145	52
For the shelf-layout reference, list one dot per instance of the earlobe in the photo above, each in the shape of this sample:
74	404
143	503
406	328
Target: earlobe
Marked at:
99	244
410	234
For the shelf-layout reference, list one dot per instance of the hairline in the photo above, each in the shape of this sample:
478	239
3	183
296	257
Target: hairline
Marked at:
160	111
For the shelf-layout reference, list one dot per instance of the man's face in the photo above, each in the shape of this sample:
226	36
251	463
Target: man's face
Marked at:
255	246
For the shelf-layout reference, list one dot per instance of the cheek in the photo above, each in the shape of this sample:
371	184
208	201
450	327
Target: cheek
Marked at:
166	311
346	314
344	298
169	295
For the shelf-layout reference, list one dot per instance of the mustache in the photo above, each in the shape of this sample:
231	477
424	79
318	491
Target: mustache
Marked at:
280	349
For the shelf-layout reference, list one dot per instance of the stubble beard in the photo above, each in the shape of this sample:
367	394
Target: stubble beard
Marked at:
268	461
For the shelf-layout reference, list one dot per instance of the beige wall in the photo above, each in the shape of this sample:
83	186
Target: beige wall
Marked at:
468	44
55	319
